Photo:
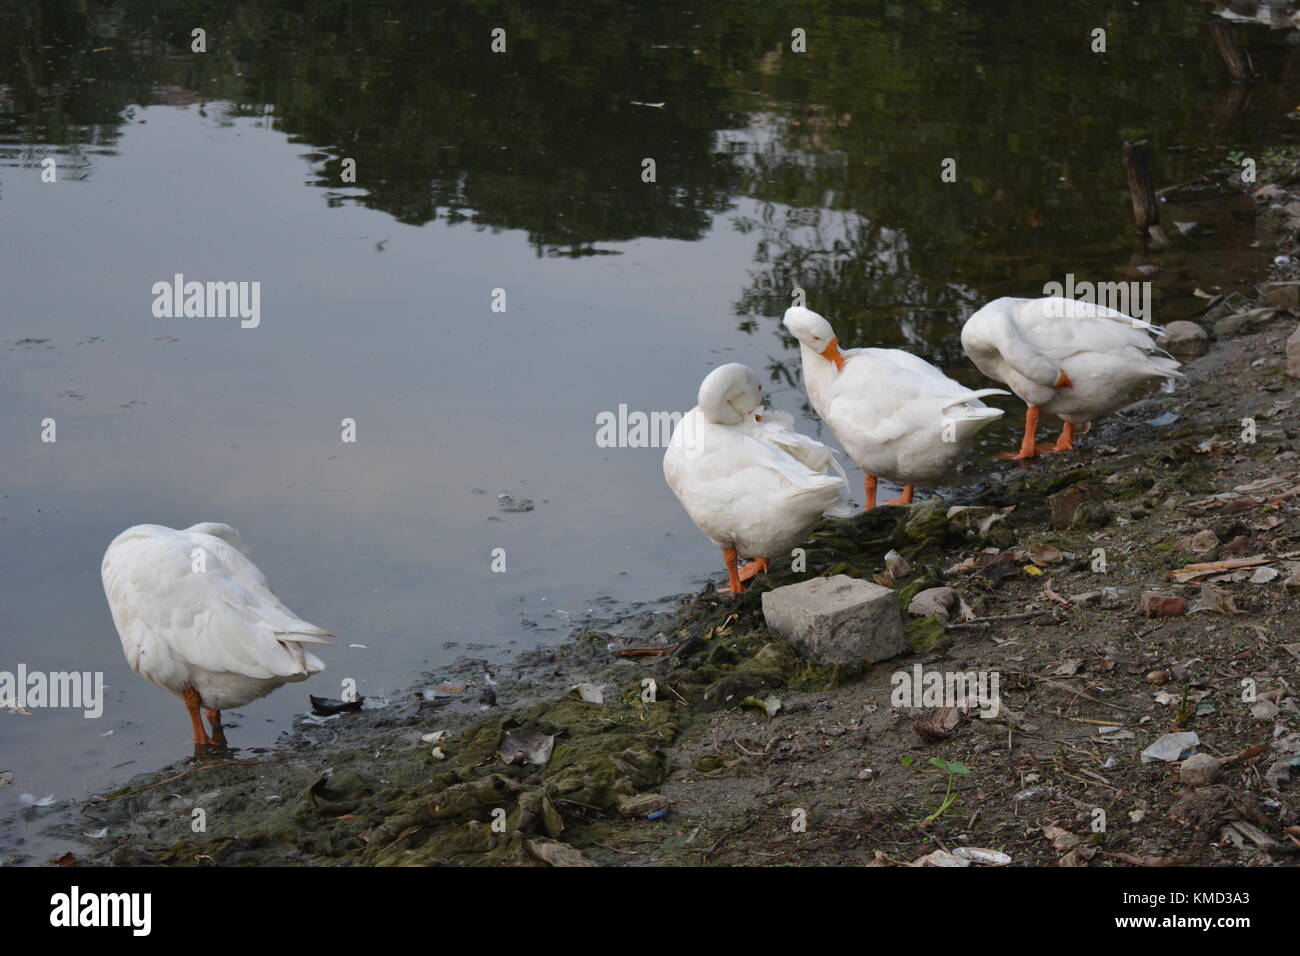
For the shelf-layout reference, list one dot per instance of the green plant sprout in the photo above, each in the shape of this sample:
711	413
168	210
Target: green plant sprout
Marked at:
952	768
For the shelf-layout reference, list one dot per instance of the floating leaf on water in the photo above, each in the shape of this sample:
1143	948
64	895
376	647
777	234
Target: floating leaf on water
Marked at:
28	800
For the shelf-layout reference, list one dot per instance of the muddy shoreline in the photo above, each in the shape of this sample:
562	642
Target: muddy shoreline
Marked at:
709	771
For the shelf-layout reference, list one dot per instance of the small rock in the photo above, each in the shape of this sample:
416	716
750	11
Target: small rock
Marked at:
1243	323
1078	507
1199	770
1238	546
1163	605
944	603
643	804
557	854
837	620
1264	710
1269	193
1293	354
1159	678
1185	340
1200	542
1282	295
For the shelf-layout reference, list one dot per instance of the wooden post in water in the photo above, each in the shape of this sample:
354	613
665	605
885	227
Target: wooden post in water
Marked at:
1146	211
1238	63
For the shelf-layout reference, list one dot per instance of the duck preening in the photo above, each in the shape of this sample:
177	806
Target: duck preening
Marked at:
197	617
747	479
896	415
1076	360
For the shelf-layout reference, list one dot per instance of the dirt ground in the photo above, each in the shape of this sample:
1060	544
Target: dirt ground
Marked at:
706	774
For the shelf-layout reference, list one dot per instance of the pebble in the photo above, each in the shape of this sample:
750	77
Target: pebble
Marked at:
1264	710
1199	770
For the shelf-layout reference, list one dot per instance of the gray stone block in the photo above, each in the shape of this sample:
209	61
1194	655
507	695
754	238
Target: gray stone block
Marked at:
837	620
1185	340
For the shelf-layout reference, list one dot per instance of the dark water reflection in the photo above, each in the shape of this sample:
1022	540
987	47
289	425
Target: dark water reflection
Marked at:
520	171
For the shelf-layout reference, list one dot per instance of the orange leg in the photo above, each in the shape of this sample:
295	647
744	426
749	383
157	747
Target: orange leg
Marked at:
1029	447
218	734
733	576
752	569
869	484
904	499
192	704
1066	441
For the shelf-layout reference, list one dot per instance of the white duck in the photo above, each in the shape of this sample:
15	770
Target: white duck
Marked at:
1074	359
896	415
748	480
197	617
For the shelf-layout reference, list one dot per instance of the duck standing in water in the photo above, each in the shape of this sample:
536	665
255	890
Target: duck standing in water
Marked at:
748	480
197	617
896	415
1073	359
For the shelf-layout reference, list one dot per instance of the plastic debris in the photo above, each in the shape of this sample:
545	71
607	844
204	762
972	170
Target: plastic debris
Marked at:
1171	747
328	706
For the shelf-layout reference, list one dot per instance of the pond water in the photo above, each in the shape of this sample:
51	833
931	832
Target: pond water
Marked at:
521	172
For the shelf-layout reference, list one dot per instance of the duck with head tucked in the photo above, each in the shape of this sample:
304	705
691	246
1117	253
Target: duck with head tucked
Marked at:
747	479
197	617
1077	360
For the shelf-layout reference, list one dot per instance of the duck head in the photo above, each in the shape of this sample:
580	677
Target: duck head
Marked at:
814	333
729	393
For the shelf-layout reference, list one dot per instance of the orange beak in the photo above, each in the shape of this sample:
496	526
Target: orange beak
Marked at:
832	354
1063	380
